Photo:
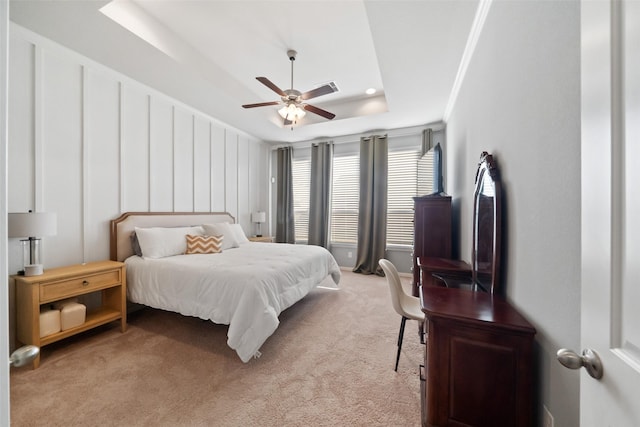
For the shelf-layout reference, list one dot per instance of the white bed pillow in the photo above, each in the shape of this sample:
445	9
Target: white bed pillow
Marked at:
222	229
159	242
238	233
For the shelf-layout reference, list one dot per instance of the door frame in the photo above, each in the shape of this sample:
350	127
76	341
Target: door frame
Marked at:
4	295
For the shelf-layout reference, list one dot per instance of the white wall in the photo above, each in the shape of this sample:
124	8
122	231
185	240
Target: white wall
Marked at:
520	101
88	143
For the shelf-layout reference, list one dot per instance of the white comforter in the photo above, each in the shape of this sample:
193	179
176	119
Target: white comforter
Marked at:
245	288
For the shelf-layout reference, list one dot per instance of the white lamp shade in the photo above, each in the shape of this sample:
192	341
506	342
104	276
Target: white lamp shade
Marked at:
259	217
291	112
32	224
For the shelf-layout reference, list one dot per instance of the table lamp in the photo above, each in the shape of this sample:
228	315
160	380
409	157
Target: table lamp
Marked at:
31	226
259	217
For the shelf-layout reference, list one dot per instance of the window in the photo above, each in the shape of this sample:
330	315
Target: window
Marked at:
301	175
403	184
345	198
401	188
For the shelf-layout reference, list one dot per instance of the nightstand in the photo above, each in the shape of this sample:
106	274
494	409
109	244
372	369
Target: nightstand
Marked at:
267	239
107	278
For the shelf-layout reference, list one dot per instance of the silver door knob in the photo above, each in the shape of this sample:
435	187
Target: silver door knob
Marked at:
23	355
589	359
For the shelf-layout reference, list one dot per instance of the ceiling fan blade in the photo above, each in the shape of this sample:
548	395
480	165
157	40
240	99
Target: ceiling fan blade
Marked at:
319	91
265	81
260	104
319	111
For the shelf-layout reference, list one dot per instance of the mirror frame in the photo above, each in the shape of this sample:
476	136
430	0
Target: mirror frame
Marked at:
488	170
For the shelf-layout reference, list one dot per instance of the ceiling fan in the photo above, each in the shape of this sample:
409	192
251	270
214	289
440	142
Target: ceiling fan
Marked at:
292	100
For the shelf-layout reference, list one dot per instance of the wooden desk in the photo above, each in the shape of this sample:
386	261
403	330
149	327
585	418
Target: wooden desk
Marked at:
478	360
448	267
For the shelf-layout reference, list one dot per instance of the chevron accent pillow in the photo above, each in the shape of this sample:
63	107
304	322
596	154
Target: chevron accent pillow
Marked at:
204	244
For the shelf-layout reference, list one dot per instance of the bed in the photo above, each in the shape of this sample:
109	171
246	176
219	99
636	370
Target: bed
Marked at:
245	287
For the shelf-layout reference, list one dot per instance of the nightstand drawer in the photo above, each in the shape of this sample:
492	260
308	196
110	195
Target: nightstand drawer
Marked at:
51	291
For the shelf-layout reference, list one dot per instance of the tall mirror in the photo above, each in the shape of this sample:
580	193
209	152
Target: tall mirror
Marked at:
484	272
487	225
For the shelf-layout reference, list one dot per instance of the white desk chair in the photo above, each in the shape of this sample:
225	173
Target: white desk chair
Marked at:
405	305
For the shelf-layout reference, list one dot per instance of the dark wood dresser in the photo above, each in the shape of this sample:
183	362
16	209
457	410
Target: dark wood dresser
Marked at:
478	360
432	231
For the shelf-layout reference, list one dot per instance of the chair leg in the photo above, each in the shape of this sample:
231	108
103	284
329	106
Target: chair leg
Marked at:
400	337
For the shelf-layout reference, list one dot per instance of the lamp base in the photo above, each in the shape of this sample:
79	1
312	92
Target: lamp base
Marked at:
33	270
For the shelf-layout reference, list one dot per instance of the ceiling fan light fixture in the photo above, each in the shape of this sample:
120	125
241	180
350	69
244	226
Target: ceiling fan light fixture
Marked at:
295	106
291	112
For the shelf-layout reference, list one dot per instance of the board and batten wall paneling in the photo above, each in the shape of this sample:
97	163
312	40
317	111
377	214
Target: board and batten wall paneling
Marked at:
231	173
161	154
102	172
218	164
244	206
254	194
61	150
183	161
89	143
135	148
20	194
201	165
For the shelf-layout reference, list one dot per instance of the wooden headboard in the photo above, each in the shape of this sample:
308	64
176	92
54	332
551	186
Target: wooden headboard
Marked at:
123	226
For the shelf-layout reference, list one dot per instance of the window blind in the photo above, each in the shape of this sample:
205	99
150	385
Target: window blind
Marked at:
345	198
301	175
401	188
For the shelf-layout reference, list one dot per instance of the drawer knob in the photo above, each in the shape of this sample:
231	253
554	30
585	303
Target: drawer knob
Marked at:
85	283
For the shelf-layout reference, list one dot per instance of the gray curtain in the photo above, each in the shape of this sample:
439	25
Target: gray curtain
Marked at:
320	193
285	222
372	209
427	141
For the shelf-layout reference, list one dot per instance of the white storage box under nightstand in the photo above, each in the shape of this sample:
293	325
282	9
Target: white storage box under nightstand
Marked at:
49	322
72	315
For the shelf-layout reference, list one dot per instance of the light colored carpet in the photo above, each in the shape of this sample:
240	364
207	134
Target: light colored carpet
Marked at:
330	363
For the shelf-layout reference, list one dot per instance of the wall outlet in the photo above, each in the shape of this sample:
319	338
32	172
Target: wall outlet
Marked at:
349	254
547	418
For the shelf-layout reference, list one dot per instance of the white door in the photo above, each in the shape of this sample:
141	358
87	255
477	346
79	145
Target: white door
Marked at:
611	210
4	295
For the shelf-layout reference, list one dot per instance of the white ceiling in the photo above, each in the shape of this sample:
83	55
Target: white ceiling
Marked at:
208	53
